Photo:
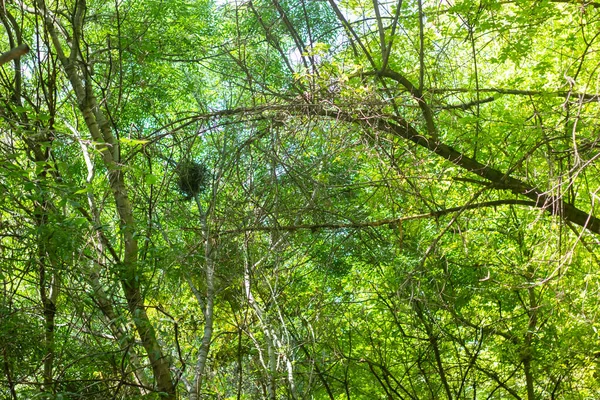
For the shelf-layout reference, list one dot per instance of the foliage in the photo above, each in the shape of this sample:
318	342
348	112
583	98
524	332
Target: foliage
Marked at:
390	200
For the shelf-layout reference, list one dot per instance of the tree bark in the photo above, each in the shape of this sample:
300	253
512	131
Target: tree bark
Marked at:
396	126
13	54
209	264
101	133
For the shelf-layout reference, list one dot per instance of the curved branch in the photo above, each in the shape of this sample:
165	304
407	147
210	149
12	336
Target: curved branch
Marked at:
547	202
518	92
382	222
14	54
468	105
415	92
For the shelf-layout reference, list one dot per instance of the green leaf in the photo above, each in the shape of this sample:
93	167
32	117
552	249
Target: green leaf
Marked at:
151	179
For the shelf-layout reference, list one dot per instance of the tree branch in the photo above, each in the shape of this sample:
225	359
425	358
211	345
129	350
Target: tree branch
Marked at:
415	92
373	224
563	93
468	105
547	202
401	128
13	54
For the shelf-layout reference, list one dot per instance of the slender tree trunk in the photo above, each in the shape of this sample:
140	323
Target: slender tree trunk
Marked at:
48	274
271	365
433	340
119	332
100	131
209	265
274	343
8	373
102	299
48	295
527	351
49	279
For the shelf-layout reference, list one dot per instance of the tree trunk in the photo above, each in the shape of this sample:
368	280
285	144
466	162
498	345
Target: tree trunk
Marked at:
108	146
209	263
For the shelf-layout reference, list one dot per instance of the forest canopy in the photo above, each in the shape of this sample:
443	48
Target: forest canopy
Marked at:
304	199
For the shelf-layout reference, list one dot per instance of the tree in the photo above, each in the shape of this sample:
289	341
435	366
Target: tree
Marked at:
277	199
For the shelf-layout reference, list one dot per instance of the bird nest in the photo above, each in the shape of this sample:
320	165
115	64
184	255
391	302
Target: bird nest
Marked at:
193	178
